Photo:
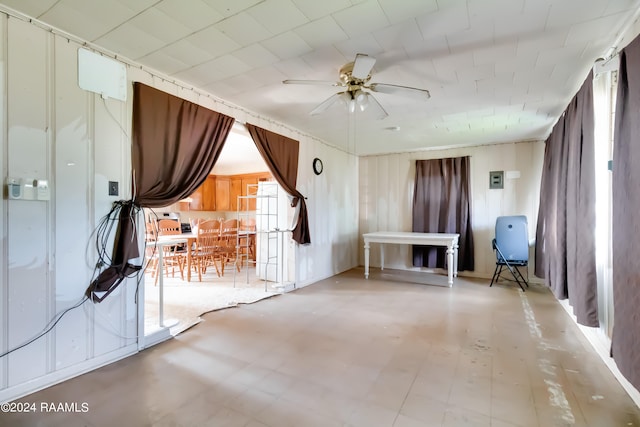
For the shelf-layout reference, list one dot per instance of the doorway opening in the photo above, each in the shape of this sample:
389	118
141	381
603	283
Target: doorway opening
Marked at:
256	255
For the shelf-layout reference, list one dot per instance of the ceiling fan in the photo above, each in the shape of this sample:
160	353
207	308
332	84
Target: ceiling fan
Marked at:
354	78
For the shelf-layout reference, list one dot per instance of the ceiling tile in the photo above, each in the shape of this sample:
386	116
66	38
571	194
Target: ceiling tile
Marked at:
160	60
200	75
399	11
87	20
448	65
533	44
286	45
322	32
231	7
33	8
255	56
524	78
278	16
478	37
571	12
225	67
498	9
266	75
406	33
564	54
213	41
596	29
243	29
130	41
363	44
454	92
160	25
434	47
495	53
314	9
515	63
243	83
296	68
445	21
363	18
186	52
475	73
520	24
321	58
617	6
222	89
195	17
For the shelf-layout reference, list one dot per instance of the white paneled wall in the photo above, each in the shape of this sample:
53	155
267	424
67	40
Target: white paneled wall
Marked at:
53	130
332	201
386	196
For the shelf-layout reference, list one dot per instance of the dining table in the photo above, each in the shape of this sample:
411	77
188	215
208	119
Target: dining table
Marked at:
160	243
176	239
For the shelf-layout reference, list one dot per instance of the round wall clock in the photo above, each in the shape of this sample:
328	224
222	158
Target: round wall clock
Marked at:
317	166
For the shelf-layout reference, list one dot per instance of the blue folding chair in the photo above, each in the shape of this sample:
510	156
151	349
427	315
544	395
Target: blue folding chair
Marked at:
511	244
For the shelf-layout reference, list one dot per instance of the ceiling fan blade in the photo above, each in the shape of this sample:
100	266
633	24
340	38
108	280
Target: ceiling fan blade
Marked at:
326	104
362	66
399	90
376	107
311	82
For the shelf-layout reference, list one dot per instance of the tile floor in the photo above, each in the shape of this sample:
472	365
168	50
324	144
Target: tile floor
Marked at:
353	352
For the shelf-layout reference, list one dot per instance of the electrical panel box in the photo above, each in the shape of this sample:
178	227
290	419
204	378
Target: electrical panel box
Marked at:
496	179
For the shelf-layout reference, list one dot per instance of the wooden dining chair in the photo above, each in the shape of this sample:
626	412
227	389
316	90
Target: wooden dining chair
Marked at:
151	250
229	243
175	255
247	238
208	251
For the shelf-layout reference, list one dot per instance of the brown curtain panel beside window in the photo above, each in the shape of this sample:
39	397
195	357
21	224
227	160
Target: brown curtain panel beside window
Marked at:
551	234
441	205
625	341
175	145
565	238
281	155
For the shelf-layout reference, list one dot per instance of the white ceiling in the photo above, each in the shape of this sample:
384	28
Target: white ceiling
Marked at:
498	70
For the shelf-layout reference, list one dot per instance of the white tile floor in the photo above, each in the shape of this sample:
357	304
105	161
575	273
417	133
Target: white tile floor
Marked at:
353	352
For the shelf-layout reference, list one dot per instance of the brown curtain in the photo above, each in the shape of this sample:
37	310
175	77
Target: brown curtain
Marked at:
281	155
625	341
542	266
175	144
565	238
552	221
441	204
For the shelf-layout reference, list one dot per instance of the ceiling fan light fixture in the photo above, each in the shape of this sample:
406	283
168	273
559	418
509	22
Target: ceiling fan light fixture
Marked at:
354	78
349	101
362	99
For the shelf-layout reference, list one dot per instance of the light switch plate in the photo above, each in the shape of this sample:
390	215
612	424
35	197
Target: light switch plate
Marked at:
113	188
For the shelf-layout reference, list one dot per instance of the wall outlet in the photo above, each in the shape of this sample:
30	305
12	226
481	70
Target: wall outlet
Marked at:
113	188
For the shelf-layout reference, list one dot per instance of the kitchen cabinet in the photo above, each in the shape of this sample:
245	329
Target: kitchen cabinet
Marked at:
223	193
204	198
236	190
220	192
